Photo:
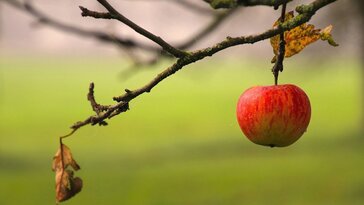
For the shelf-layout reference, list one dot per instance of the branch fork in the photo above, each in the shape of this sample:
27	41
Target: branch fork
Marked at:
114	14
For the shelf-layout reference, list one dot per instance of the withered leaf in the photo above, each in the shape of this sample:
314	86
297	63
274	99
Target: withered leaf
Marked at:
300	37
67	159
66	184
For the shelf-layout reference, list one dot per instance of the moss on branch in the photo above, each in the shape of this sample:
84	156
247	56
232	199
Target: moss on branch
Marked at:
216	4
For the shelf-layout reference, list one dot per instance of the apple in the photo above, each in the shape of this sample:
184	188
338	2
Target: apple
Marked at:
275	116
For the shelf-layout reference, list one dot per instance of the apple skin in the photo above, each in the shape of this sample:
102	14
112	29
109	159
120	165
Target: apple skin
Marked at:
274	116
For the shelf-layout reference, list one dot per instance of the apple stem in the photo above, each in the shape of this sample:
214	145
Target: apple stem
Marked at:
278	66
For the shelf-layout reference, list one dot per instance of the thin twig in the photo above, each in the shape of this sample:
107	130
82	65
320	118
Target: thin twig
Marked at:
95	106
67	135
114	14
202	34
218	20
278	66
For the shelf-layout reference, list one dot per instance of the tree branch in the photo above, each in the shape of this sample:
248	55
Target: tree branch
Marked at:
217	4
188	5
278	66
203	33
122	105
193	7
114	14
219	18
101	36
95	106
126	44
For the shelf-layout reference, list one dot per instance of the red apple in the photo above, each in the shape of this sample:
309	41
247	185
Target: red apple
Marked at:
274	116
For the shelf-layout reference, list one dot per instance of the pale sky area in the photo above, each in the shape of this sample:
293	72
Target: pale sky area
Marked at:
21	35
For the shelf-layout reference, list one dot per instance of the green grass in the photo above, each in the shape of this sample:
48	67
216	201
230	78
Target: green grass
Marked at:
180	144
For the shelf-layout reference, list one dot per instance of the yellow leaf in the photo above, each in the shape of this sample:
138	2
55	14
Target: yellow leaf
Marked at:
300	37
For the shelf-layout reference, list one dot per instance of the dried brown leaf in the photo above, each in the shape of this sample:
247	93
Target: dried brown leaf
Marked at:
66	184
67	159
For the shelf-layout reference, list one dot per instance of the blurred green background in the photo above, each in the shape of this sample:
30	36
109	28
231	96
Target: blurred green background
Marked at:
181	143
